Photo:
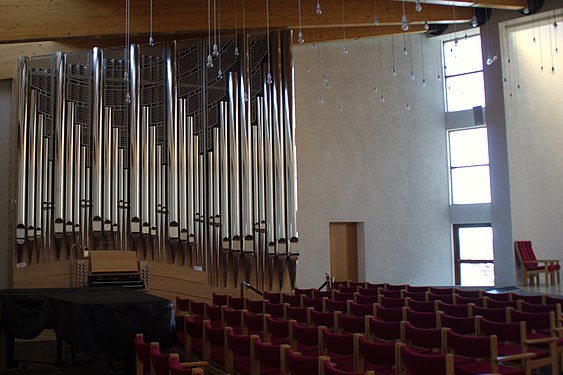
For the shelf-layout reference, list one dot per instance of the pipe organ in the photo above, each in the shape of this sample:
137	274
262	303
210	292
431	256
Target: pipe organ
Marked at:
146	149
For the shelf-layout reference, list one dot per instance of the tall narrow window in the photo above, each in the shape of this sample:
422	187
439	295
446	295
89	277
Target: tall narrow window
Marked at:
469	166
463	71
473	250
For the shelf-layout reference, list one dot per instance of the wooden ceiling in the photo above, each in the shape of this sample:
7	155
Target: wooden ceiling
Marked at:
30	27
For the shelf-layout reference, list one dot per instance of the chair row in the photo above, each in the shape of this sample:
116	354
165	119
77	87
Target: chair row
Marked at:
150	361
502	342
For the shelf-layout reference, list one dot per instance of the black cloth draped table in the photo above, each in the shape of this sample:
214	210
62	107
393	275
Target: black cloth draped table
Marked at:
94	321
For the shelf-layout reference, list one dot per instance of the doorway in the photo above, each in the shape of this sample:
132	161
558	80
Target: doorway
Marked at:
344	251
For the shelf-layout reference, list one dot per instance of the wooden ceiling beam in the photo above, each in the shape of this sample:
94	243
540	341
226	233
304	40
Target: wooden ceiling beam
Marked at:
332	34
37	20
493	4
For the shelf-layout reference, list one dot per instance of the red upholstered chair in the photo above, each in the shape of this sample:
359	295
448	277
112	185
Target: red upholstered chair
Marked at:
160	363
142	355
255	306
368	291
352	324
356	284
513	340
268	358
214	344
337	284
421	306
391	302
220	299
499	296
292	300
193	336
496	315
423	340
239	353
341	296
332	305
376	286
305	339
348	289
305	292
446	298
453	309
539	324
380	330
416	289
275	310
330	368
391	293
299	314
277	331
494	304
461	325
396	286
315	303
535	298
327	319
184	368
531	268
182	305
417	363
441	291
272	297
479	301
233	318
377	356
420	319
550	300
360	309
469	293
253	324
197	309
363	299
214	313
415	296
339	348
479	354
237	303
322	293
298	364
388	314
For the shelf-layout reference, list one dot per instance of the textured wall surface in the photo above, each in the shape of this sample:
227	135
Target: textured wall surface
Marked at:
535	139
379	164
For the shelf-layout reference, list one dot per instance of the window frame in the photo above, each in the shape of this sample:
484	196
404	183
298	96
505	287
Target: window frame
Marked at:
457	251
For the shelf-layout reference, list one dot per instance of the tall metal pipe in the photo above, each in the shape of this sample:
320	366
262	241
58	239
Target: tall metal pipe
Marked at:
84	195
106	173
196	190
120	194
115	170
59	138
183	171
77	184
234	155
201	203
97	140
21	199
159	198
172	132
45	199
135	140
190	154
145	123
31	169
153	181
225	175
40	166
70	168
268	160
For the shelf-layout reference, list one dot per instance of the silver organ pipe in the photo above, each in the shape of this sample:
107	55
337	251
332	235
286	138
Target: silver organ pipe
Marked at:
120	194
135	141
78	185
70	168
115	183
159	198
45	199
224	158
97	139
59	138
153	181
234	165
145	226
21	118
172	130
201	197
40	166
183	171
107	160
84	195
190	154
269	211
31	170
196	212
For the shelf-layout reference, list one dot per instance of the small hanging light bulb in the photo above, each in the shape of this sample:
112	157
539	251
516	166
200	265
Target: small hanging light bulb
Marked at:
404	23
490	60
375	89
394	72
439	78
382	99
318	9
376	20
405	51
474	22
300	37
340	109
315	46
417	6
412	77
307	69
151	41
269	79
345	49
424	82
209	61
220	74
495	57
525	10
215	50
426	25
408	107
128	98
327	85
321	100
325	78
245	97
236	51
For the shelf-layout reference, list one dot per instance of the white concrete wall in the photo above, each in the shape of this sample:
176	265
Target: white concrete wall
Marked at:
378	164
535	137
